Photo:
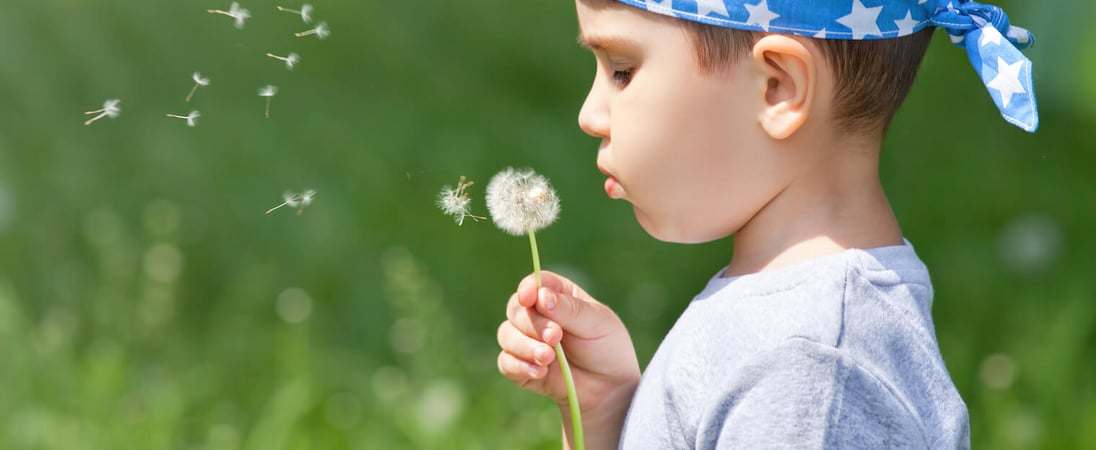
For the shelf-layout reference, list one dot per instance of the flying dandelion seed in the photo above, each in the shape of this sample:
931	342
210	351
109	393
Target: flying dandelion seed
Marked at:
191	119
305	12
198	82
268	91
235	12
455	202
293	200
110	109
321	31
290	60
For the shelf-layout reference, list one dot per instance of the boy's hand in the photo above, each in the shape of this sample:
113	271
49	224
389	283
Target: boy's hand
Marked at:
598	348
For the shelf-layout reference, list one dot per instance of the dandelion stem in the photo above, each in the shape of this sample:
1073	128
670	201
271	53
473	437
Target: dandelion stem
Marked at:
572	394
100	116
217	11
305	33
192	90
282	8
276	207
536	256
267	113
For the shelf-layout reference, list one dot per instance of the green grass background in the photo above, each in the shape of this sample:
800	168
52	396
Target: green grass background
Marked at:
144	295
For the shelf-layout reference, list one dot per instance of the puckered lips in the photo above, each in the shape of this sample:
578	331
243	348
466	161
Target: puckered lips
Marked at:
613	187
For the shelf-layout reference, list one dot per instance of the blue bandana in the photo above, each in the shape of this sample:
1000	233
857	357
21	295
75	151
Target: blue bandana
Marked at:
992	44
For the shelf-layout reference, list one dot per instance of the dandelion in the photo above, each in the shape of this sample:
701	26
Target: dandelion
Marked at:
191	119
321	31
522	202
456	203
290	60
235	12
110	109
305	12
198	82
268	91
293	200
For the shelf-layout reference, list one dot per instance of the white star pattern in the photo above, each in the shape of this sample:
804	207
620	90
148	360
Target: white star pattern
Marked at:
989	35
1007	81
705	7
906	24
760	14
862	20
821	34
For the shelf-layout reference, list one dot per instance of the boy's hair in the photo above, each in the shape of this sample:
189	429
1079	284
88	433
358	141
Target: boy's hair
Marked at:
871	76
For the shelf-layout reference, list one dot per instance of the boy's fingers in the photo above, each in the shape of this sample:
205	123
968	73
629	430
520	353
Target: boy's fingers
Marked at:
532	324
517	344
518	370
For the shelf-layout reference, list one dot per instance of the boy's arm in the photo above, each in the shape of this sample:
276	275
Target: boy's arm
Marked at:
597	345
810	396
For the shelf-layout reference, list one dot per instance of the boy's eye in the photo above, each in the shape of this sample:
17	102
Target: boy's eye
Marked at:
622	77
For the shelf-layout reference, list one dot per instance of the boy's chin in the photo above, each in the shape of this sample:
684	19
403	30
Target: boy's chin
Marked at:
675	233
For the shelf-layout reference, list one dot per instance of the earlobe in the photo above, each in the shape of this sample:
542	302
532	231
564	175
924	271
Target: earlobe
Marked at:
787	79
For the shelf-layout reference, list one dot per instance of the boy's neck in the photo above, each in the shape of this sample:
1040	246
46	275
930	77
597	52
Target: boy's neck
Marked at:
834	203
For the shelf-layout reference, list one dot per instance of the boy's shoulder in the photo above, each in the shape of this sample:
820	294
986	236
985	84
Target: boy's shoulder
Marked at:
844	333
823	298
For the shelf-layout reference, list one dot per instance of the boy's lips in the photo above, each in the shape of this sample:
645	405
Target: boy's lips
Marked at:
613	188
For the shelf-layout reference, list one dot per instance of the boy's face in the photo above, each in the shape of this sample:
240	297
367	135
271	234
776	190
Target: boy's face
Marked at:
681	145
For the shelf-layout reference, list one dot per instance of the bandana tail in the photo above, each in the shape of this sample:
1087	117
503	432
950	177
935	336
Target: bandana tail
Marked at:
1006	73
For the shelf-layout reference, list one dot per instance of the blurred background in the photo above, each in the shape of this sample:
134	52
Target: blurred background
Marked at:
147	302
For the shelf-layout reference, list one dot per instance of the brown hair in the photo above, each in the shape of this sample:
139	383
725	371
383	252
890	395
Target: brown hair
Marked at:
872	76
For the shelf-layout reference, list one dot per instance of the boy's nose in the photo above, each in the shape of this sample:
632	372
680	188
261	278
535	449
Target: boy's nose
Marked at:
593	118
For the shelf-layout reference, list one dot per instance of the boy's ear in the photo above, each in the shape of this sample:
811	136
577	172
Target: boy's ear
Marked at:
788	79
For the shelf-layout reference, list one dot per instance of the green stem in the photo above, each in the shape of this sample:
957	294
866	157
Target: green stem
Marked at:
568	380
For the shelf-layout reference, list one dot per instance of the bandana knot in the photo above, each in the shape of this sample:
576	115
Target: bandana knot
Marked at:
961	19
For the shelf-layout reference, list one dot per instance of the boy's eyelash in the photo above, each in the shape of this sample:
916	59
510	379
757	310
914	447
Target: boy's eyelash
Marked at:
622	77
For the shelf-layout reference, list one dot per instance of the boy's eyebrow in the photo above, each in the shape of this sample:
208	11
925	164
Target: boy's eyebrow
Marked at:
596	42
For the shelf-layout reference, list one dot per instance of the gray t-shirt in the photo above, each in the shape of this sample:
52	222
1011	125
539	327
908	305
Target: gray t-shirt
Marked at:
835	352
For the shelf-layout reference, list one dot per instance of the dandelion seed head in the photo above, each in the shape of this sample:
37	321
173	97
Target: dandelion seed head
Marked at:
291	200
292	60
306	13
454	202
239	14
192	118
199	80
322	31
268	90
521	201
111	108
307	196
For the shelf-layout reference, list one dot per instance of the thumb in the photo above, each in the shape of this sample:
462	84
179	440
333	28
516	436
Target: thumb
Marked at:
580	316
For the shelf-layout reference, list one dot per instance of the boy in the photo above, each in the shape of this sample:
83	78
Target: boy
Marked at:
763	119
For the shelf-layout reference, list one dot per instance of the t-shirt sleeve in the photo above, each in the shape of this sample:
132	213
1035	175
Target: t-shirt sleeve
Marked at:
805	395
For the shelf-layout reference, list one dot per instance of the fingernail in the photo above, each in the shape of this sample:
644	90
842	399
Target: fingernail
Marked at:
538	354
533	371
549	298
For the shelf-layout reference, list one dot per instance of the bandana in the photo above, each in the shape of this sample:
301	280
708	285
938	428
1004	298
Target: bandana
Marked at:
993	45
